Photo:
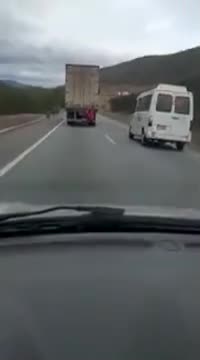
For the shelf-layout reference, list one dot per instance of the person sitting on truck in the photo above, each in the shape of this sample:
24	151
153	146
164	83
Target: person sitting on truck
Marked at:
90	115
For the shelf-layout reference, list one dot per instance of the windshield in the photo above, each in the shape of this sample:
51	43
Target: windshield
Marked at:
72	104
99	105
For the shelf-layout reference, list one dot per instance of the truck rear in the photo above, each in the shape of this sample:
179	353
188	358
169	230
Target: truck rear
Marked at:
81	94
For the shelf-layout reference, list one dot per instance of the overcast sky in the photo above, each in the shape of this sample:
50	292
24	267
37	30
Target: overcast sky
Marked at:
37	37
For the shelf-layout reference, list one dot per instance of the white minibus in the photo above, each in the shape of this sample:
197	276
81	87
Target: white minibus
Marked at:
163	114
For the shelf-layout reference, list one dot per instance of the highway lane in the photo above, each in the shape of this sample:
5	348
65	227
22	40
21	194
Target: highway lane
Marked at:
16	141
95	165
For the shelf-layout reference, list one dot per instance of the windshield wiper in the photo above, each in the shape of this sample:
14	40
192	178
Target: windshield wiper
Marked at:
89	210
82	219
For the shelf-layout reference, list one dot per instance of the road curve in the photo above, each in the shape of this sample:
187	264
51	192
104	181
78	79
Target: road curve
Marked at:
50	162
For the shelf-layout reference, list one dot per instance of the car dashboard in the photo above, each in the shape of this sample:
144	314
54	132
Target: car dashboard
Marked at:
100	296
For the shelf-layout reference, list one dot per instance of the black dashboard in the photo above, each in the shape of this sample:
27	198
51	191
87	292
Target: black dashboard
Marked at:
106	296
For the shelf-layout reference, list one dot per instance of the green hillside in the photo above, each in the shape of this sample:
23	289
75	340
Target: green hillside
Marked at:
156	69
14	100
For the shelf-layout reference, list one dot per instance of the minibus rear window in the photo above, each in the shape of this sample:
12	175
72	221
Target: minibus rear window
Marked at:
164	103
182	105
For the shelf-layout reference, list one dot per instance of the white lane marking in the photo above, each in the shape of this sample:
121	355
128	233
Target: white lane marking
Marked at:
2	131
20	157
110	139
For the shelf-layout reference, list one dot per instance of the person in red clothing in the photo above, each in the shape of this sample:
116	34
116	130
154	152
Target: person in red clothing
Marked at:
90	115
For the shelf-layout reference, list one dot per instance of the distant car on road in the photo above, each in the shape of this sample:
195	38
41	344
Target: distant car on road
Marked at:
163	114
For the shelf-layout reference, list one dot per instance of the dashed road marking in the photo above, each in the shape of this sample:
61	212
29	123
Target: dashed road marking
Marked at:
110	139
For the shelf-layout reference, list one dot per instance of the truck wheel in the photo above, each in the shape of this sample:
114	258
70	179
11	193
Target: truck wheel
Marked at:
180	146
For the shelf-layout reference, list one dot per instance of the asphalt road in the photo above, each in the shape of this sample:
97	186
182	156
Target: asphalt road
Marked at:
50	162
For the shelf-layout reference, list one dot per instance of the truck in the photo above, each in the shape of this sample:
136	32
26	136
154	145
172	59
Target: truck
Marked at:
81	94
